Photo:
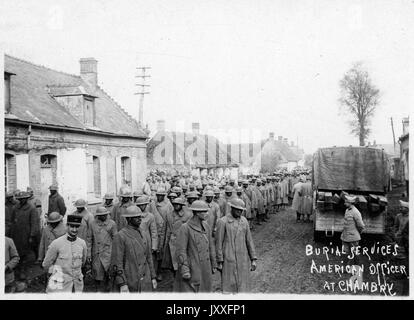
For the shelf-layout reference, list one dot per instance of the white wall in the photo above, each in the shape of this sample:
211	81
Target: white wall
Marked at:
22	171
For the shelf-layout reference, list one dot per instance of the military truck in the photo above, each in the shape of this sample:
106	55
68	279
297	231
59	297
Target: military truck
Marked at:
341	171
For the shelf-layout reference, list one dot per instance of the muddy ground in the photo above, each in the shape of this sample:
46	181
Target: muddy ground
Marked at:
284	267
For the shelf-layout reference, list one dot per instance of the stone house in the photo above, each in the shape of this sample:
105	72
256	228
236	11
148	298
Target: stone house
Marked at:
65	129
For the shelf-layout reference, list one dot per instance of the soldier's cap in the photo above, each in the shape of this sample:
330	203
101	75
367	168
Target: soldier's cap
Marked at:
23	195
259	181
109	196
125	193
238	204
350	199
199	205
239	189
192	195
30	190
217	190
161	192
54	217
228	189
74	220
209	193
245	182
53	187
175	189
172	195
185	187
131	212
101	211
80	203
179	201
141	200
404	204
137	193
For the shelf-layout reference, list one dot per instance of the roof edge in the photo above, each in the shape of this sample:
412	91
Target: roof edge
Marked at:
73	129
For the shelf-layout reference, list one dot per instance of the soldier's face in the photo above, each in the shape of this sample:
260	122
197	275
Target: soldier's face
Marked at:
229	194
142	207
245	186
236	212
80	209
102	217
216	195
135	221
177	207
348	204
108	201
160	198
209	199
72	230
239	194
202	215
404	210
191	200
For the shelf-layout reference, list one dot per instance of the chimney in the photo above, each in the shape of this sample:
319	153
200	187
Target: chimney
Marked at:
196	128
89	71
160	125
292	144
375	143
280	138
271	135
369	143
286	141
406	123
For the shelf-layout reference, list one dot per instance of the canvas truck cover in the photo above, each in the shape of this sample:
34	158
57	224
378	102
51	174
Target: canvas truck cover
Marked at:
350	168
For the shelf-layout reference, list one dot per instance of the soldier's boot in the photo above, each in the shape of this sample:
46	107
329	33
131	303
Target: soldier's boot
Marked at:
297	217
258	218
308	219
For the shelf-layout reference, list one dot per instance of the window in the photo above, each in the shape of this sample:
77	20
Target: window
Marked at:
96	176
9	172
126	170
46	160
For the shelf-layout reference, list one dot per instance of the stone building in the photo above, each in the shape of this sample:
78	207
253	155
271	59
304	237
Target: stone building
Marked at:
65	129
175	152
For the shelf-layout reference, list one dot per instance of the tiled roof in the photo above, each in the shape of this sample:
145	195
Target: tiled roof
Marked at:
215	150
32	88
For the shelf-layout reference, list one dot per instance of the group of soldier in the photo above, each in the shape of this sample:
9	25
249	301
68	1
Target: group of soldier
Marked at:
189	226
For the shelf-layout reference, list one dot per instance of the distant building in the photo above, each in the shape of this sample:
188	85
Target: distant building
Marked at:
174	152
269	155
404	152
65	129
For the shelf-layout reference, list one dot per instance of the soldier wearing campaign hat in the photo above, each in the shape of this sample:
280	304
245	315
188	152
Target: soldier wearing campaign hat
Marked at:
196	254
132	268
99	242
108	201
25	230
214	212
65	258
353	226
119	209
175	220
235	263
401	229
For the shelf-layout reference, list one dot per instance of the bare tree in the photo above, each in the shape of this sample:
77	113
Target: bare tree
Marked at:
360	97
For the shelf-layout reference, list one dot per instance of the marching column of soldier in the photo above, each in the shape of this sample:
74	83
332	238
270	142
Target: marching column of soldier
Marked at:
193	227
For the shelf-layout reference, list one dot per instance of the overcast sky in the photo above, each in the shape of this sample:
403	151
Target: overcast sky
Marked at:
259	65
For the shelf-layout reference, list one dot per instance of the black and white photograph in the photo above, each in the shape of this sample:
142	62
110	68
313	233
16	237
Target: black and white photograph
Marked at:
206	149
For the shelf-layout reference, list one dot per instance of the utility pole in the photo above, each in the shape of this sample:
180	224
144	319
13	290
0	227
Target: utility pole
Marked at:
142	92
393	134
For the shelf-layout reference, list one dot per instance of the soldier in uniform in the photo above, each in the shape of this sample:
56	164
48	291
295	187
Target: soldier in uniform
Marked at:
108	201
25	231
213	211
100	236
236	255
119	209
132	268
56	202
